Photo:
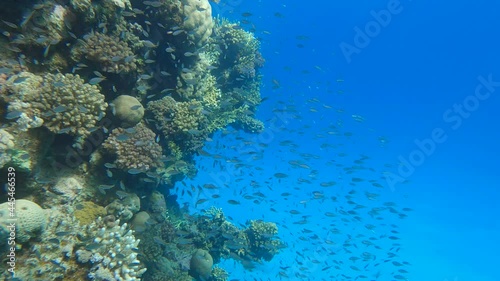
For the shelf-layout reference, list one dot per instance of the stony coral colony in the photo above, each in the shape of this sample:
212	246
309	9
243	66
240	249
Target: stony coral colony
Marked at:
102	102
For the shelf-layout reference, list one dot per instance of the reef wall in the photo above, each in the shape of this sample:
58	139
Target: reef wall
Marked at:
102	103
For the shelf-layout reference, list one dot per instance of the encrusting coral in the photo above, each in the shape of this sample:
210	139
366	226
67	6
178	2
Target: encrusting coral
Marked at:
87	212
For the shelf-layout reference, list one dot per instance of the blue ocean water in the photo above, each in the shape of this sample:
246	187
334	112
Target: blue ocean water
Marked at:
401	94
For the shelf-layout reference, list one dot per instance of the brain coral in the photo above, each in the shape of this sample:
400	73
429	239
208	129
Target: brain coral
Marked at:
201	264
31	220
135	148
64	102
128	110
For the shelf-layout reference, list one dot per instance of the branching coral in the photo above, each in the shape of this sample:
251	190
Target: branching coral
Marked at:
262	239
134	148
249	124
109	53
113	253
180	122
241	49
63	103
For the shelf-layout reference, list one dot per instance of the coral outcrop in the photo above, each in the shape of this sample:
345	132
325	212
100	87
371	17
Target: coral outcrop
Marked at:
30	220
112	253
124	208
128	110
201	265
180	122
109	53
198	20
134	148
63	103
172	75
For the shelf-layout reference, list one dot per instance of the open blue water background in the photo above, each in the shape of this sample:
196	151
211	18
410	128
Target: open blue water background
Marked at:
428	58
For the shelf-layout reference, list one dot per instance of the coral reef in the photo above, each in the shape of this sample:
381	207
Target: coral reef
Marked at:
63	63
128	110
30	220
112	253
50	256
125	207
64	104
201	265
108	53
194	244
135	148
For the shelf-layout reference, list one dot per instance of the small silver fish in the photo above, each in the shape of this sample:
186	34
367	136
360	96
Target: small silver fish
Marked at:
96	80
92	246
129	59
13	114
134	171
149	44
122	137
60	109
177	32
109	165
121	194
64	130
